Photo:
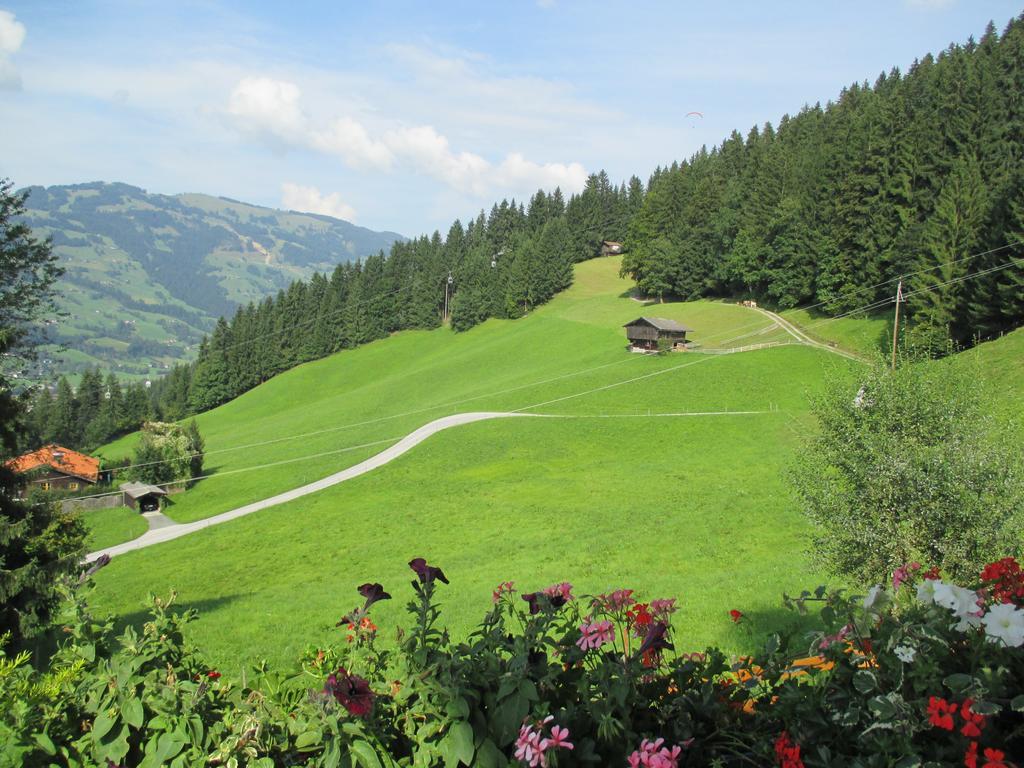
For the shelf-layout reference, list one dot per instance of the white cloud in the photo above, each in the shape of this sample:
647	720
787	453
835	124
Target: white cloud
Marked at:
269	108
272	109
296	197
12	35
350	141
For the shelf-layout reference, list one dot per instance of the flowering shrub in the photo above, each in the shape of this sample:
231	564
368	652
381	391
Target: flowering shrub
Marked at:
922	672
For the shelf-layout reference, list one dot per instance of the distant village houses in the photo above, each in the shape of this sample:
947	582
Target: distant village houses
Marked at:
55	468
644	333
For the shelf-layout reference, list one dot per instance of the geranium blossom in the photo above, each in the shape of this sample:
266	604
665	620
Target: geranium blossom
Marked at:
1006	580
787	752
531	745
994	758
735	616
615	601
595	635
653	754
940	713
562	590
903	574
505	588
663	608
1004	623
838	637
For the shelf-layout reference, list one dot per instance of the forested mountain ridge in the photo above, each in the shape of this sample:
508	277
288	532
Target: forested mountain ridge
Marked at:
914	175
147	274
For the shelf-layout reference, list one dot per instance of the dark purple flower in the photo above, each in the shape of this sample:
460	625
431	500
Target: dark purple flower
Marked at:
351	691
101	562
655	639
427	573
372	593
531	598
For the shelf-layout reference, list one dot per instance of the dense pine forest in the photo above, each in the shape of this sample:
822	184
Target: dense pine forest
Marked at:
918	175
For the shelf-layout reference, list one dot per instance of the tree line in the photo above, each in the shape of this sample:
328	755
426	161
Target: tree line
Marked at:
909	175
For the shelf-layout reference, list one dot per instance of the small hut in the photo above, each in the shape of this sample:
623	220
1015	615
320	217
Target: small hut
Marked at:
644	333
610	248
143	496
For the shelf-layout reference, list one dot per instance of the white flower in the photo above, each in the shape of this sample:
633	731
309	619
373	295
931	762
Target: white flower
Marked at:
876	596
1005	622
926	590
961	601
905	653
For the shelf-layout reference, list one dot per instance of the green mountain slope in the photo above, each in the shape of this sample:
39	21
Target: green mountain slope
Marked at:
611	494
147	275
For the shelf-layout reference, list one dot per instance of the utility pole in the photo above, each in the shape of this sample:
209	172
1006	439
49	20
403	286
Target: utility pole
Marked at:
447	290
896	321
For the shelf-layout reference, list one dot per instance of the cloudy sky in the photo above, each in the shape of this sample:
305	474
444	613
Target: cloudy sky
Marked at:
406	115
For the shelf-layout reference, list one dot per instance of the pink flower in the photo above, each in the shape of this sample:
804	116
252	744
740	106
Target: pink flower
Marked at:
903	574
531	746
838	637
595	635
562	590
662	609
505	588
653	755
615	601
559	738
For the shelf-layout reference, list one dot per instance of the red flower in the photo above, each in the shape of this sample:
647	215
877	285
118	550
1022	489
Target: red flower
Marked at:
973	723
213	674
940	713
971	755
736	616
994	758
351	691
787	752
932	573
1006	580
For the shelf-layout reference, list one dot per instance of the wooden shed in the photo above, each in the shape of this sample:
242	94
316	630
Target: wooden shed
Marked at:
644	333
143	496
610	248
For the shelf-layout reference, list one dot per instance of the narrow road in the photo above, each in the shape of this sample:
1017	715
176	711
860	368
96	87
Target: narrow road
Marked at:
164	532
803	338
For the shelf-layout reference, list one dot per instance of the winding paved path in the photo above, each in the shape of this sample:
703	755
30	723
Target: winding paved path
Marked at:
164	532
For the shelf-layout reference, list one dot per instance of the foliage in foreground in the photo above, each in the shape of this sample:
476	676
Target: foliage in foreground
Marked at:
924	673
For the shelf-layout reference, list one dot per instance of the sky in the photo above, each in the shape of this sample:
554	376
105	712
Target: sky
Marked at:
404	116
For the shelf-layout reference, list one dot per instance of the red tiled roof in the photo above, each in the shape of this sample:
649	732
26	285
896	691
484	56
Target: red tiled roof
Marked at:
61	459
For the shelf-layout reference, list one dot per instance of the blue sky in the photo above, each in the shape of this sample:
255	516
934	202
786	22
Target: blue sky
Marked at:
407	115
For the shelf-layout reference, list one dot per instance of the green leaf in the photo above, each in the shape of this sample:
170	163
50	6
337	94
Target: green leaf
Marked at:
132	713
910	761
365	755
1017	705
528	690
102	724
457	709
882	708
45	743
959	682
462	739
308	739
864	681
986	708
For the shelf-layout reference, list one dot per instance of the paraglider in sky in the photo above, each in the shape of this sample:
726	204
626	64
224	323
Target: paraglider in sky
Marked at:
698	114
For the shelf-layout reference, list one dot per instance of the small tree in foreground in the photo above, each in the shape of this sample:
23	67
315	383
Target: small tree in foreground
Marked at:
909	466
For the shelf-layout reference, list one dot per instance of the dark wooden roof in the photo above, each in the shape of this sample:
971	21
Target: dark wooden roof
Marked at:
138	490
661	323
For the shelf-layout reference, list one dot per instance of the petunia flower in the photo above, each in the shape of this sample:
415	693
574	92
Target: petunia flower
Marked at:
372	593
655	639
351	691
905	653
1004	623
427	573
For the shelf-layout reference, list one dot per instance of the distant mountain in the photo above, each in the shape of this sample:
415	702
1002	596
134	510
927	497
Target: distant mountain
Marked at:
147	275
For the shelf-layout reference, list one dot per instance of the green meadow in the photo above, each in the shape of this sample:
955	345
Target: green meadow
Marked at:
619	486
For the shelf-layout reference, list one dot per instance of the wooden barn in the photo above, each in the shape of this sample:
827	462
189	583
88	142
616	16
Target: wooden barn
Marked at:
644	333
610	248
143	496
55	468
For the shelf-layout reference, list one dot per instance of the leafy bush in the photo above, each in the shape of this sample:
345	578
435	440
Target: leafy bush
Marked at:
923	673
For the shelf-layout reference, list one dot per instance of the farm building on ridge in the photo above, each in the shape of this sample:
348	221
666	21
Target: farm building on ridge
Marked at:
610	248
57	468
644	333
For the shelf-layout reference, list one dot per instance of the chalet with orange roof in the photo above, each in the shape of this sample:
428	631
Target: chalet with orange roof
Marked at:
54	467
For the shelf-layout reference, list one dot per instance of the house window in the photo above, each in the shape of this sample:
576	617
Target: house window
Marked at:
73	486
45	486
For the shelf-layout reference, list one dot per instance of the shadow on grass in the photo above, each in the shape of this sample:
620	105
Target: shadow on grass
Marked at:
202	607
757	625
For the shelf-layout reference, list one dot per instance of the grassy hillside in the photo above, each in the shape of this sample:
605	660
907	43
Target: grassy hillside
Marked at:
147	275
611	495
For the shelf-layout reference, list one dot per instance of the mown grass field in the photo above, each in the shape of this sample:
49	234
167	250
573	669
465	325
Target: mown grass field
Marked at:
609	495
